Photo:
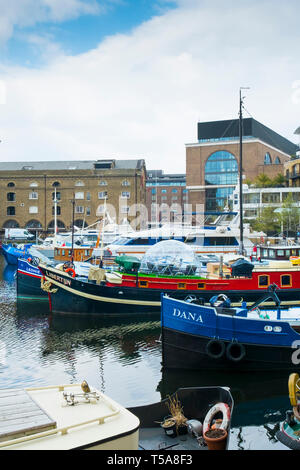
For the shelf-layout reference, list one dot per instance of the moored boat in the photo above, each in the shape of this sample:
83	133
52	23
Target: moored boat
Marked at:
47	418
175	271
220	337
12	252
69	417
289	433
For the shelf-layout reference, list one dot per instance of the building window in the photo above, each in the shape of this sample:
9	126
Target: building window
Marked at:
100	209
102	195
102	183
79	183
58	210
125	194
33	210
33	185
11	184
11	210
163	191
277	161
57	196
88	196
11	197
125	183
153	191
174	190
55	184
267	159
221	169
88	211
124	210
33	195
79	210
79	195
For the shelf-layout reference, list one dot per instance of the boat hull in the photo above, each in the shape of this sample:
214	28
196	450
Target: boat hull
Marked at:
184	351
29	281
198	337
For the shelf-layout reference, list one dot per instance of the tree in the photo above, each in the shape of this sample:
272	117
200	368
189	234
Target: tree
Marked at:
278	181
268	221
263	181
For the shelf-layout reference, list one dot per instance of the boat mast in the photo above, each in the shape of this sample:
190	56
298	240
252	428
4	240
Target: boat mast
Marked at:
241	250
73	213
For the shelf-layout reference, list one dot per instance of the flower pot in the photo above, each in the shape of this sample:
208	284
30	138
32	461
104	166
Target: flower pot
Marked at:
169	426
182	429
216	439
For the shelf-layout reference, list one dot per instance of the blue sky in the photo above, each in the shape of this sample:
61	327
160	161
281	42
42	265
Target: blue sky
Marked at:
89	79
82	33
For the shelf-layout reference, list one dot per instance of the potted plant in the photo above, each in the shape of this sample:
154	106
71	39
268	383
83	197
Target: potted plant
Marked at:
216	438
175	423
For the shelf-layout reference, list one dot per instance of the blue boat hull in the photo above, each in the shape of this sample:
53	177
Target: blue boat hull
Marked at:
29	281
11	253
196	337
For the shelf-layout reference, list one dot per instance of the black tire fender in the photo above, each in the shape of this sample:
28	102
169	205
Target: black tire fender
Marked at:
215	348
235	351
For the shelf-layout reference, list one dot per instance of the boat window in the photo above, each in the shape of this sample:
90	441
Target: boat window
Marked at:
286	280
139	241
201	285
294	252
287	252
220	241
143	283
263	281
181	285
271	254
120	241
280	252
265	253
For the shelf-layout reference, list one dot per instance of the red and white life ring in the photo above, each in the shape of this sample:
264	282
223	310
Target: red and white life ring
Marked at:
219	407
71	271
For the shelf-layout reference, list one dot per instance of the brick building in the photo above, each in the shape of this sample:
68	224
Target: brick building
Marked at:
212	163
166	196
27	192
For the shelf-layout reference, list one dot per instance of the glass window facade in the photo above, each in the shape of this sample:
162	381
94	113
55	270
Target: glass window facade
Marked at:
221	168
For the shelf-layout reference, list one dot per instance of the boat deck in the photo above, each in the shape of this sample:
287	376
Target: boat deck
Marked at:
156	439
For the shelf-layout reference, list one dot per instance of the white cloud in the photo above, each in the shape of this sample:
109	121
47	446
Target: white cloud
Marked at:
25	13
140	95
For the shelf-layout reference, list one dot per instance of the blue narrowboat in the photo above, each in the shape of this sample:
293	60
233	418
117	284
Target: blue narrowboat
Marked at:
219	337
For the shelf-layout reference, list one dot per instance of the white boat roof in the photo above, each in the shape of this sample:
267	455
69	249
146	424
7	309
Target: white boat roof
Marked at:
77	426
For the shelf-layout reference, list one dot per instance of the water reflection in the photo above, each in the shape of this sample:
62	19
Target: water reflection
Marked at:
122	357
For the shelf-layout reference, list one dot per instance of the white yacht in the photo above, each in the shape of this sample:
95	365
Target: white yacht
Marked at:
217	239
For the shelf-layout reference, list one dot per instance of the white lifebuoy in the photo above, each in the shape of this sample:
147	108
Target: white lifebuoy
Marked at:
219	407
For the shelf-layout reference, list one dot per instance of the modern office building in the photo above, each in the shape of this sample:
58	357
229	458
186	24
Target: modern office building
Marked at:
212	163
28	191
166	196
292	167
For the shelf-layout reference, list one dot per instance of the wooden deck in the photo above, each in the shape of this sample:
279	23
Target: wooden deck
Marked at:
20	415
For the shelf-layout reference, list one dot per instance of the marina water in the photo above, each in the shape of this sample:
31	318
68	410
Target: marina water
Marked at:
122	358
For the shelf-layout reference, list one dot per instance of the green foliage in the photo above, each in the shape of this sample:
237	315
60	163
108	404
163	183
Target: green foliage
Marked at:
268	221
264	181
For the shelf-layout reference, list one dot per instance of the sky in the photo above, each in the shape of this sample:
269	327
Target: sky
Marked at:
92	79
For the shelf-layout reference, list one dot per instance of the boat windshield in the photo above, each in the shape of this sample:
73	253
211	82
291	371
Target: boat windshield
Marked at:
120	241
170	257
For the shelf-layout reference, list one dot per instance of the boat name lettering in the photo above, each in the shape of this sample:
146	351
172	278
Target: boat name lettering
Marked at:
66	282
187	315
